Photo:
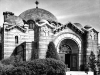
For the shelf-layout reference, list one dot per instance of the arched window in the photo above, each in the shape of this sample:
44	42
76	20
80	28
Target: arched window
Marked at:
31	24
16	39
65	49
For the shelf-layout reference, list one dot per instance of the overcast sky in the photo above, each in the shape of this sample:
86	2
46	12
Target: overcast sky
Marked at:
86	12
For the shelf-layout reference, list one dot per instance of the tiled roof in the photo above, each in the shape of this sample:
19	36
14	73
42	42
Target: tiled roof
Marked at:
37	13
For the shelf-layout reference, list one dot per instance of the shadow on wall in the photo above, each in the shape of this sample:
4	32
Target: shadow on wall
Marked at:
35	51
20	50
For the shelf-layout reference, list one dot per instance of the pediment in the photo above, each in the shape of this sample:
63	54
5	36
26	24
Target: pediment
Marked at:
75	28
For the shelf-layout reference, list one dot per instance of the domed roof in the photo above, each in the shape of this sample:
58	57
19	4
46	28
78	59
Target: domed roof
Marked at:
78	25
87	27
37	13
15	20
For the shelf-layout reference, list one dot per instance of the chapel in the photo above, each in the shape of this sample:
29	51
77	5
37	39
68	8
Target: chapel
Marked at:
37	26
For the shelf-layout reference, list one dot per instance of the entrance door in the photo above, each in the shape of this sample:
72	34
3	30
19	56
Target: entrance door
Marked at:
74	62
68	50
71	61
67	60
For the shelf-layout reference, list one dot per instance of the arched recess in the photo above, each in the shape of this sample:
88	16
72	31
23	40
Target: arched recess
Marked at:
58	39
31	24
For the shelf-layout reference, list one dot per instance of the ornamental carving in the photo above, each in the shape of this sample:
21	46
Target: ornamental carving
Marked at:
45	27
44	31
65	49
44	22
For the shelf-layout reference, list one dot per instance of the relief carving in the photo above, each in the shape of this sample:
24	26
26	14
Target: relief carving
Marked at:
45	27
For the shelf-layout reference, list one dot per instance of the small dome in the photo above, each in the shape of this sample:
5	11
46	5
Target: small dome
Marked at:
78	25
37	14
15	20
87	27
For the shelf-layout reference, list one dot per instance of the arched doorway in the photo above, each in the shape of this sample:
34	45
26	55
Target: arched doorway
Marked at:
72	39
68	52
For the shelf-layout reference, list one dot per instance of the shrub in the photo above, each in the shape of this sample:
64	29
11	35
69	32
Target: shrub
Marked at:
12	60
52	52
4	68
18	71
47	66
56	66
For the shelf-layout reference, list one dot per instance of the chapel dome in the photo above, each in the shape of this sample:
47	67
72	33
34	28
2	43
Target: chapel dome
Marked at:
15	20
87	27
78	25
37	14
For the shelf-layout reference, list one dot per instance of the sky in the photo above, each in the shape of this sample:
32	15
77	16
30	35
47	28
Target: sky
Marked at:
85	12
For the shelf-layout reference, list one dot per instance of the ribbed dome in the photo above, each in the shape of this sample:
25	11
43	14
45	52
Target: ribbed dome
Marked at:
37	13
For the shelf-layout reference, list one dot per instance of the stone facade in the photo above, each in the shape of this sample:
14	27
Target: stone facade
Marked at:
10	39
72	41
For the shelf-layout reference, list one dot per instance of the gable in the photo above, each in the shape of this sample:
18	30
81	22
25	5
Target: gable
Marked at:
75	29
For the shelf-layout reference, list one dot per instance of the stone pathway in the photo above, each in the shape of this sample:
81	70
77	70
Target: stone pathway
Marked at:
78	73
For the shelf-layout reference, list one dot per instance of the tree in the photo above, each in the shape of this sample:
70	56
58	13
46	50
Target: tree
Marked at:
92	61
52	51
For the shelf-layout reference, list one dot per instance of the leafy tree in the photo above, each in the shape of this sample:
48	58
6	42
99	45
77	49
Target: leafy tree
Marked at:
92	61
52	51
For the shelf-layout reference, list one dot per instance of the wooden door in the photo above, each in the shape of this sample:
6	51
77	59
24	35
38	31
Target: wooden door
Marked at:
74	62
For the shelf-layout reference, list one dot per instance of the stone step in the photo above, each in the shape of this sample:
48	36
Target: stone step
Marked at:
79	73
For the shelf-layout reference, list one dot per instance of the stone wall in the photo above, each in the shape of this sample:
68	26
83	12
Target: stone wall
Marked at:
92	42
45	36
9	39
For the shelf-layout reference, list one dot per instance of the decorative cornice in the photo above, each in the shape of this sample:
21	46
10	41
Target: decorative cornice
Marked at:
8	28
68	25
75	28
60	28
44	22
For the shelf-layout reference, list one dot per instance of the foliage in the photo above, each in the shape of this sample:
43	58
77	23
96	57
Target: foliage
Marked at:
12	60
44	66
98	60
52	52
92	61
47	66
4	68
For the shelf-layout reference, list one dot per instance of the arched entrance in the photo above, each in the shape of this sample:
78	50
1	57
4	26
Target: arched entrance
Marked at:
73	43
68	52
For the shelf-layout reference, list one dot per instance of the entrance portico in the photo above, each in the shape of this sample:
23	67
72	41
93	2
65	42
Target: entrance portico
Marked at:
69	49
68	52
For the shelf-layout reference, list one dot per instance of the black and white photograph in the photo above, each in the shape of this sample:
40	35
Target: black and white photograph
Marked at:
49	37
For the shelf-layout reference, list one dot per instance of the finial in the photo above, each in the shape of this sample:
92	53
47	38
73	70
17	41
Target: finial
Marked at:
36	3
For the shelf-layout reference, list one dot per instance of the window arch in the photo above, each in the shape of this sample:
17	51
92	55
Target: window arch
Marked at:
31	24
65	49
16	39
